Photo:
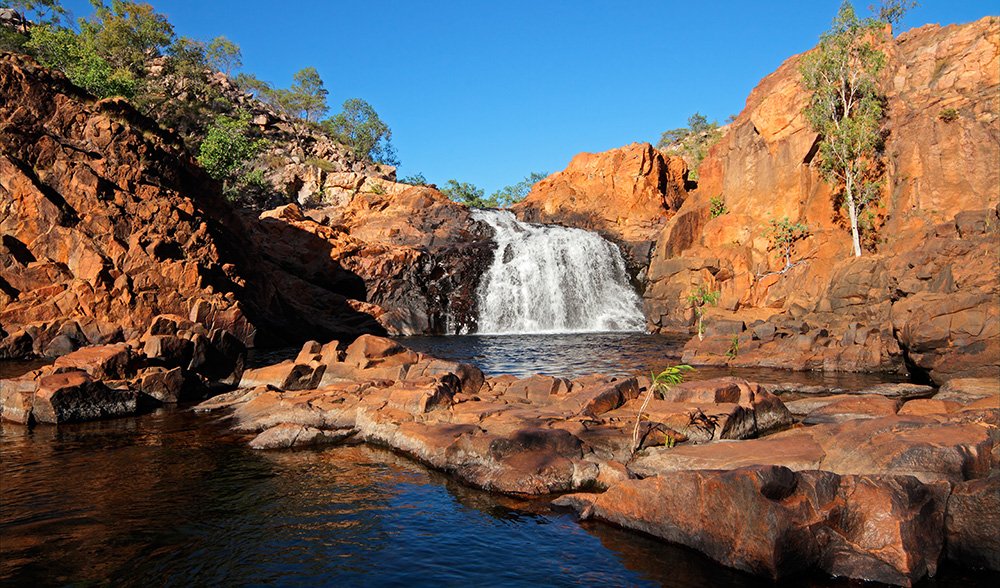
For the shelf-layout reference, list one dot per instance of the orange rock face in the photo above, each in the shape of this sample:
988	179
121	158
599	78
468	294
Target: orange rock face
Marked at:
626	194
926	296
107	222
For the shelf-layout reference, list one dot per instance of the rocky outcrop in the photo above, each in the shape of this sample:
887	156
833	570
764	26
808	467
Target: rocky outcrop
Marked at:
175	360
625	194
421	257
923	300
719	466
107	223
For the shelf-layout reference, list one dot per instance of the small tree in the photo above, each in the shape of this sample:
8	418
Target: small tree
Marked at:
358	126
693	141
658	385
127	34
307	96
514	193
697	299
783	234
467	194
227	150
846	110
224	55
416	179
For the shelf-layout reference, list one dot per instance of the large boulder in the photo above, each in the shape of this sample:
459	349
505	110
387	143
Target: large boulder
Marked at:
774	522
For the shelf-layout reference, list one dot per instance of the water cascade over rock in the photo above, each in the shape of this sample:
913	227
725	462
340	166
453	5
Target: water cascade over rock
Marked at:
551	279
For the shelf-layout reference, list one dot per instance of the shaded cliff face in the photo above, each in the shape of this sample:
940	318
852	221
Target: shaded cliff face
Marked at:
107	222
938	214
626	194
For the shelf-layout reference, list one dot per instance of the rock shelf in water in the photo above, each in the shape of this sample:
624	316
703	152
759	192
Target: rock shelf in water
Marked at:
864	496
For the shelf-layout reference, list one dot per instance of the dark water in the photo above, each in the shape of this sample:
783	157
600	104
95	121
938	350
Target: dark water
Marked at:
579	354
175	499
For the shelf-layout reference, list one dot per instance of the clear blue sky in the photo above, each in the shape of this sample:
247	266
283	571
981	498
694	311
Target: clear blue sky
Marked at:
487	92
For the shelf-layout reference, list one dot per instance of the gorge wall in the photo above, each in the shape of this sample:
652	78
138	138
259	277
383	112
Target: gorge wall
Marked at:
925	299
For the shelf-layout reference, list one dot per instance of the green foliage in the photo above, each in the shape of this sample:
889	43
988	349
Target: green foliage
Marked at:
62	49
48	12
734	347
659	384
693	141
717	206
359	127
227	151
12	40
846	109
416	179
377	188
224	55
515	193
467	194
697	299
948	115
475	197
892	11
126	34
783	234
306	99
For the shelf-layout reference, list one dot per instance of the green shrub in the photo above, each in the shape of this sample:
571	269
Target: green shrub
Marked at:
717	206
949	115
783	234
227	150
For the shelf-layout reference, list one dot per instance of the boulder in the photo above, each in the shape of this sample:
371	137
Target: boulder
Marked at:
774	522
101	362
73	396
972	522
922	447
165	385
286	375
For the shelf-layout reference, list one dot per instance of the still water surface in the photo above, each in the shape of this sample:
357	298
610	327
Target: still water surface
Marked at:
175	499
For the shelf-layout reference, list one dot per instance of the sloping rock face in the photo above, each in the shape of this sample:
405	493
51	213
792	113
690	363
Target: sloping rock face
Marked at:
625	194
107	222
422	258
925	299
928	296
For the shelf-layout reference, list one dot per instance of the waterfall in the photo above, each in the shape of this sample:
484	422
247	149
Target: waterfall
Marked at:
551	279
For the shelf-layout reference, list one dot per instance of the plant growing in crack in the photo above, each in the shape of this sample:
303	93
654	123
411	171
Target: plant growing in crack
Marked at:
697	299
783	235
734	348
658	385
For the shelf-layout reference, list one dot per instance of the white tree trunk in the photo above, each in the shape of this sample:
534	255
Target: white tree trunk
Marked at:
852	210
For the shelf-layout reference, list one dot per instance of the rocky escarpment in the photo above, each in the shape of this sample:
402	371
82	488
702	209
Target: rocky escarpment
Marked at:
927	297
924	299
107	222
627	195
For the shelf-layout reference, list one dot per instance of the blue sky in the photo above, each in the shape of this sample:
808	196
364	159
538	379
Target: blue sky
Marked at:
487	92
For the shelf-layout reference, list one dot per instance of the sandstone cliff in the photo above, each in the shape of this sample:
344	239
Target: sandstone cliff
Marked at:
925	297
625	194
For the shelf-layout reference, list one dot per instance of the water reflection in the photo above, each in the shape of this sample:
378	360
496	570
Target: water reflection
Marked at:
578	354
174	499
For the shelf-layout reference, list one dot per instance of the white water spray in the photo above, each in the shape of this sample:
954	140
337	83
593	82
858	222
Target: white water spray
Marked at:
551	279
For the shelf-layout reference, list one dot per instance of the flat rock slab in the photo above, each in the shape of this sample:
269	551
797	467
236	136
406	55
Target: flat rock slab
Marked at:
288	435
919	446
771	521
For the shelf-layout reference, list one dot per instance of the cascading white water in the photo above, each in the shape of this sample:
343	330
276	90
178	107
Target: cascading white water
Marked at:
551	279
